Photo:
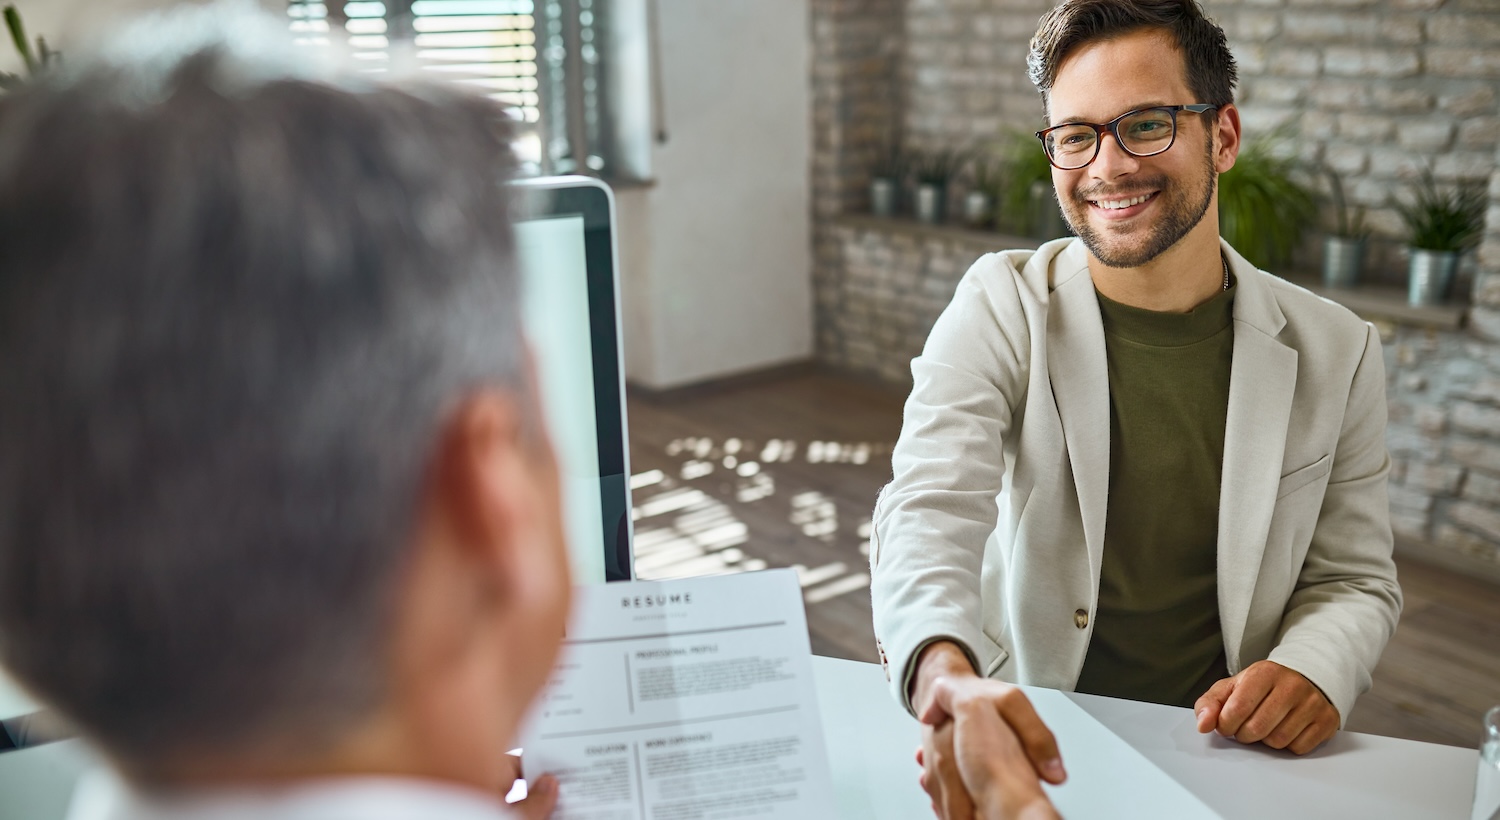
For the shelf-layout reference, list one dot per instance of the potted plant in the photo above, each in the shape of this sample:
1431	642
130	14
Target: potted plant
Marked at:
1027	205
885	181
934	170
1344	248
1263	208
35	62
979	202
1443	224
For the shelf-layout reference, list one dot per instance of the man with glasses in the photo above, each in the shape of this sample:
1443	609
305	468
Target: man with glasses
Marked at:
1132	464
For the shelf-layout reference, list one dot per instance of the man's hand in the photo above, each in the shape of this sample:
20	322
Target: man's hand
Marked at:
1271	704
983	745
541	797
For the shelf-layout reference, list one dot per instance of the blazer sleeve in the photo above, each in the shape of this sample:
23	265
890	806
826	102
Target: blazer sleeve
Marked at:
1346	602
932	521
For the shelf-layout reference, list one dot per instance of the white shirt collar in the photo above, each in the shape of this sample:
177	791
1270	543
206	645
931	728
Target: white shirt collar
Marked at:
101	795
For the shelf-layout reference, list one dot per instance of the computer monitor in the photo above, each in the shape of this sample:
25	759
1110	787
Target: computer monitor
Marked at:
565	242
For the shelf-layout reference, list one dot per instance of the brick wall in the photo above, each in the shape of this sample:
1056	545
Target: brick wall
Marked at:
1385	84
1444	432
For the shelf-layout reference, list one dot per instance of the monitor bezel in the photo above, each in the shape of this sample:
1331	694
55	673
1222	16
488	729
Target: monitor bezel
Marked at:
592	199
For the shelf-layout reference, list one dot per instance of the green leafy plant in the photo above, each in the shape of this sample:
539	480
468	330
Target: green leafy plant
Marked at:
1440	219
1349	221
890	163
1263	208
1025	164
938	166
35	61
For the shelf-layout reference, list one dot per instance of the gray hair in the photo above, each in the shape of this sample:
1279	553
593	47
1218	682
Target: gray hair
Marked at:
234	310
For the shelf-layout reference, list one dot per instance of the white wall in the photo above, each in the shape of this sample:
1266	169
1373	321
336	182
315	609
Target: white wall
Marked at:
66	23
716	256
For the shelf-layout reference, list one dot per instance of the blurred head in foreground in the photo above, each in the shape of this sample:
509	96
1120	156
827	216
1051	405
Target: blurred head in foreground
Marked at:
275	497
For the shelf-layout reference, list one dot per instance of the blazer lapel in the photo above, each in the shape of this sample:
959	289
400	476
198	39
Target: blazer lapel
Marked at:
1262	381
1079	375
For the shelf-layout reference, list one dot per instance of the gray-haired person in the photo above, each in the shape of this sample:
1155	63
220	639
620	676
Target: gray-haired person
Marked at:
279	522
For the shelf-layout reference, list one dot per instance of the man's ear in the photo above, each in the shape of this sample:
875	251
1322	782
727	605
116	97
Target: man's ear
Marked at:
481	484
1226	138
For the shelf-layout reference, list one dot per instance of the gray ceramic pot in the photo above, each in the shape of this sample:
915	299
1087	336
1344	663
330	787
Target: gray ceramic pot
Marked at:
883	196
1430	276
930	202
1343	258
979	209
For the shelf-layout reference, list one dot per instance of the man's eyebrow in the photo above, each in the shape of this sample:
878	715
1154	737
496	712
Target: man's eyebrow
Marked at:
1135	107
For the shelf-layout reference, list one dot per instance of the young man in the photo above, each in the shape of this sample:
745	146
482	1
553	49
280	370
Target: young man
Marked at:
279	523
1132	464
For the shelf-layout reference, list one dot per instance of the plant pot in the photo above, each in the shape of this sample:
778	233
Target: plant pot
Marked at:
883	196
979	209
930	202
1343	258
1430	276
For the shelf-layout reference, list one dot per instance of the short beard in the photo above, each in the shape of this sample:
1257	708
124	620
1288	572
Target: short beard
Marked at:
1173	227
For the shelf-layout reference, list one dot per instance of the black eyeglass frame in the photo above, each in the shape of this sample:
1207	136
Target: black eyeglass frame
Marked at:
1113	127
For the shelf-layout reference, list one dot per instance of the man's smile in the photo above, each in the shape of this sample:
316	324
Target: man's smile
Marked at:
1116	206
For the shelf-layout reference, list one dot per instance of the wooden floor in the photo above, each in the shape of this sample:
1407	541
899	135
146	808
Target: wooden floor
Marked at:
783	471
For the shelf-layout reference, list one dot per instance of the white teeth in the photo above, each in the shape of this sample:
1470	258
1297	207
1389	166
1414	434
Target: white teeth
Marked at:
1117	204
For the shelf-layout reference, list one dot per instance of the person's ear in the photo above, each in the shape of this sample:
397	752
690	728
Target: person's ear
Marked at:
483	483
1226	138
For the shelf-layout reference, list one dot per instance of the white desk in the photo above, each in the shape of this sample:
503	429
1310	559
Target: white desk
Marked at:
871	743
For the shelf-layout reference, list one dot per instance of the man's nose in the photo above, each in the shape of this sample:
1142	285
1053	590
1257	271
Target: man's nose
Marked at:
1113	160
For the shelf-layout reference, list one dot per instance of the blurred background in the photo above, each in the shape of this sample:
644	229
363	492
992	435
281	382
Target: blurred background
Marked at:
801	183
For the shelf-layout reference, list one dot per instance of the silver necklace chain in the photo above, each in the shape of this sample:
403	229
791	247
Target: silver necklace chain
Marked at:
1225	263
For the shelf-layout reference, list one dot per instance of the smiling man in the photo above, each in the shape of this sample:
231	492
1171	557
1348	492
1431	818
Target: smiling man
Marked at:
1132	464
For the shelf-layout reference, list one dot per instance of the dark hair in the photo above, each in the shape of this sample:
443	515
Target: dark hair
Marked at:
1211	72
235	306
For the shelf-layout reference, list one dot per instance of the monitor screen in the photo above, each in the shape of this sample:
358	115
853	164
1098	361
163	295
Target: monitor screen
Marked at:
566	251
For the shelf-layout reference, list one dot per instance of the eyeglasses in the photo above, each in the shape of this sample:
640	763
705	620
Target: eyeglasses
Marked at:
1144	132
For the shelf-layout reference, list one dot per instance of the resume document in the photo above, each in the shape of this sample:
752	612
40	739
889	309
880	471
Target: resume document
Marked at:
688	699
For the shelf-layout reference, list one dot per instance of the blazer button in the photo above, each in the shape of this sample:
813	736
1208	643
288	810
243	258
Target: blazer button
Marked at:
1081	619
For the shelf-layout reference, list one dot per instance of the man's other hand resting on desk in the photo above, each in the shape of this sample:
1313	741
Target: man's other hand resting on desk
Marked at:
1271	704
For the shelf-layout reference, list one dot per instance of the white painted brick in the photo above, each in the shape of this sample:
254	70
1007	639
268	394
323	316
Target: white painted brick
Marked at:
1477	518
1433	479
1476	455
1384	63
1428	134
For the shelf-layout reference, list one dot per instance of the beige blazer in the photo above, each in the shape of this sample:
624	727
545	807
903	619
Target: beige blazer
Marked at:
992	529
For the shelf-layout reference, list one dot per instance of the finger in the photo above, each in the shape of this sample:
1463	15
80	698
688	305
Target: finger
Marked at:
1211	703
1249	690
1277	705
510	769
939	702
1038	741
1316	733
943	776
541	800
1291	726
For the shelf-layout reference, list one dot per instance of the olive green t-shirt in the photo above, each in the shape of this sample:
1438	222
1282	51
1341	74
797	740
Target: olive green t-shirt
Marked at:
1156	629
